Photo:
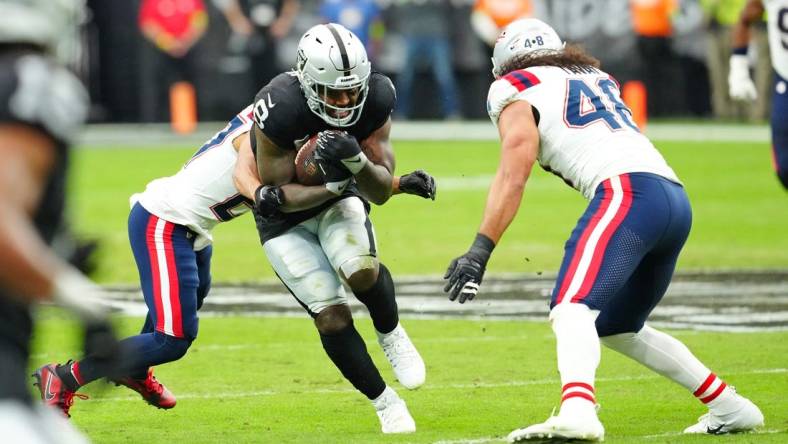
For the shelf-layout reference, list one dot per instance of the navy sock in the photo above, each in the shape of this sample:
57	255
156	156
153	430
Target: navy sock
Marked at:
349	353
380	302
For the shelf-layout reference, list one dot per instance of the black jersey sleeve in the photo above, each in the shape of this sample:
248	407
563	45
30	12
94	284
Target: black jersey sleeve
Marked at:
278	109
381	101
35	91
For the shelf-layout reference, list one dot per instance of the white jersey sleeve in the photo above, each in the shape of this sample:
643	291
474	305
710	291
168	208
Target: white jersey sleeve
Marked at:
777	13
202	193
586	133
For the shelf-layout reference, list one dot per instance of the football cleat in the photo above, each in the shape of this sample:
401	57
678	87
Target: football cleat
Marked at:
53	391
404	358
744	419
393	413
152	391
559	429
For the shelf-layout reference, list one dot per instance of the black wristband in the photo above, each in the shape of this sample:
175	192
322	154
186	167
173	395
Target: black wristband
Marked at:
483	246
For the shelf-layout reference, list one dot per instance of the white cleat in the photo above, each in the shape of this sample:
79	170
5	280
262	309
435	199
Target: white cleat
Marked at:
404	358
745	419
559	429
393	413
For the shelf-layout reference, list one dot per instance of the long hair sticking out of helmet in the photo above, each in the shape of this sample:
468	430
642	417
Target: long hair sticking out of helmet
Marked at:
332	63
571	56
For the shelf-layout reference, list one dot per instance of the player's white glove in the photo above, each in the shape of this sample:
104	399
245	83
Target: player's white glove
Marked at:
740	85
79	294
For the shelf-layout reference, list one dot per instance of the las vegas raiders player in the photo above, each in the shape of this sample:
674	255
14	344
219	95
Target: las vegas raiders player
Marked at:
317	237
42	106
554	105
170	232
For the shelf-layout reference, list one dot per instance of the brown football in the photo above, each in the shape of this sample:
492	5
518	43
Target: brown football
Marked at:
307	171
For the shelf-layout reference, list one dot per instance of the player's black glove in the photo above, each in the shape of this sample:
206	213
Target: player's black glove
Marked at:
419	183
267	200
337	177
341	147
465	273
101	344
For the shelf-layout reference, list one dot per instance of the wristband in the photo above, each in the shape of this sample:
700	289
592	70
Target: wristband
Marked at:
356	163
482	246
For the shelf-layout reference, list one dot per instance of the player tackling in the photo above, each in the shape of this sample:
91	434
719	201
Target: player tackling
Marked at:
553	105
740	83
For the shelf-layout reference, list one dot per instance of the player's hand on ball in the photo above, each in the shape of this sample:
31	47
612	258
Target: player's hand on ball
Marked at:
337	177
419	183
466	272
341	147
267	200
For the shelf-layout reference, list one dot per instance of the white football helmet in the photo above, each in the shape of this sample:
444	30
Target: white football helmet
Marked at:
50	24
332	68
524	36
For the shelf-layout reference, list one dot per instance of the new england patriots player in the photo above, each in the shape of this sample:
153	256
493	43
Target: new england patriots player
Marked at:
554	106
318	237
170	227
740	83
42	107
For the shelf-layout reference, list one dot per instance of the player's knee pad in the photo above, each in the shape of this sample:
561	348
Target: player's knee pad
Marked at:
360	272
334	319
572	312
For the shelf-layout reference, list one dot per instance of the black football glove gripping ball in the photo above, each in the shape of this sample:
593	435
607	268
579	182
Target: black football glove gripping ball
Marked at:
341	147
337	177
267	200
419	183
466	272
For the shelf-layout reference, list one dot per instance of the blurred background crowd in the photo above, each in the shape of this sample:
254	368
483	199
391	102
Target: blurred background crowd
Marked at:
436	51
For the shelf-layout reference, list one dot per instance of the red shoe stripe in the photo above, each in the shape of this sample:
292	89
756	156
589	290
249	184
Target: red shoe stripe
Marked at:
76	373
583	395
714	395
705	386
578	384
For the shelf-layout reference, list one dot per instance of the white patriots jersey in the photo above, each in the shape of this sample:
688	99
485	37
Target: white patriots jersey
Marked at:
202	193
777	12
586	133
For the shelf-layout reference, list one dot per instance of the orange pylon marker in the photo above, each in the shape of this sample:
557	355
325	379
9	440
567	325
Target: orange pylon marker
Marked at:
635	96
183	107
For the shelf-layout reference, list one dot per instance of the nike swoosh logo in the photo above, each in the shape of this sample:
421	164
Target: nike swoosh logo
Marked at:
48	394
270	103
711	431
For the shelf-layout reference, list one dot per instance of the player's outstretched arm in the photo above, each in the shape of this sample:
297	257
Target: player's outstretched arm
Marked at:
519	148
419	183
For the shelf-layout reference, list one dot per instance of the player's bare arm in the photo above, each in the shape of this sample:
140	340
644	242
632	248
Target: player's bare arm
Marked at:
295	197
26	156
375	179
519	148
752	12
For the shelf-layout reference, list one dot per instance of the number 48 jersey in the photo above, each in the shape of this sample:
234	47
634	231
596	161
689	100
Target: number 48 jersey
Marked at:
586	132
202	193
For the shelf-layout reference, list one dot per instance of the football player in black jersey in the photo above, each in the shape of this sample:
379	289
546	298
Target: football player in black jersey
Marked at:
317	237
42	106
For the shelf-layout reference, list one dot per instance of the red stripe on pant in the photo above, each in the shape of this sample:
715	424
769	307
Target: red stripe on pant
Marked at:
604	239
705	386
172	274
581	244
583	395
150	238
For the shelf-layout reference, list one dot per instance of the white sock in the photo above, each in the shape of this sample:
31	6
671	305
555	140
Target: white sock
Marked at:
385	399
577	347
672	359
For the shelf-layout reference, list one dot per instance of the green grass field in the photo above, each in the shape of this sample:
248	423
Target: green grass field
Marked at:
739	210
267	379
